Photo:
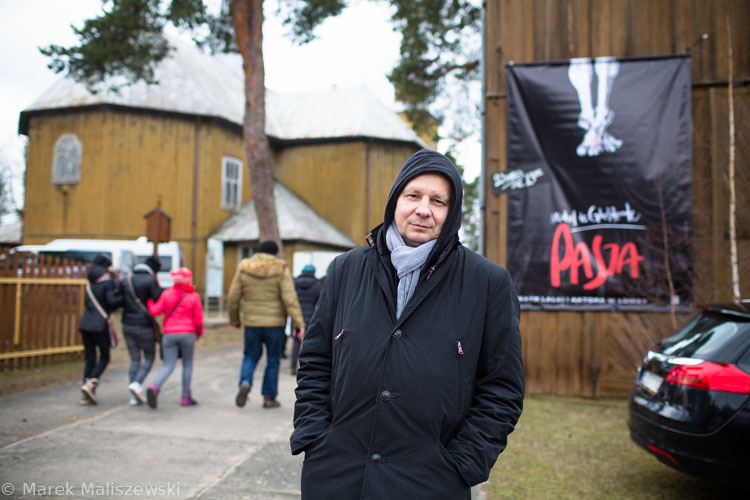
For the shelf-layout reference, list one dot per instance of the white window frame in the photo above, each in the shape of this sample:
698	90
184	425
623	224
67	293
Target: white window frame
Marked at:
66	160
228	182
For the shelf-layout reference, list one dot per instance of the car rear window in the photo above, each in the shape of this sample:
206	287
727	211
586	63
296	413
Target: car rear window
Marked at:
708	336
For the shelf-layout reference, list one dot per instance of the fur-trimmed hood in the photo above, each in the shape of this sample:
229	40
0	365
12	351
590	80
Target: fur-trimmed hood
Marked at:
262	265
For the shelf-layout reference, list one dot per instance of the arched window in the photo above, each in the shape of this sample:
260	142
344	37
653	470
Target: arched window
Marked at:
66	160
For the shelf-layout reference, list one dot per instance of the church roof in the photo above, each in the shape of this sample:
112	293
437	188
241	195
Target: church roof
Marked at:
297	221
195	83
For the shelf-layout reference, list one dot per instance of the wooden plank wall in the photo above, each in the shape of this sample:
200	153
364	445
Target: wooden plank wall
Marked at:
591	353
131	163
346	183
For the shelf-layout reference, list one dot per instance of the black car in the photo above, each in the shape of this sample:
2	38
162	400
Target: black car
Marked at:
690	406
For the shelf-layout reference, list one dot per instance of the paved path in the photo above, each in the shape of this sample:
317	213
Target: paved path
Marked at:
52	447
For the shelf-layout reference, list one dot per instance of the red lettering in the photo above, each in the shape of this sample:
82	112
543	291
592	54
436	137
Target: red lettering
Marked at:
629	257
576	256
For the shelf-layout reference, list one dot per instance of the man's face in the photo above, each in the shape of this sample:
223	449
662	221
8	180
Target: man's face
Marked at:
421	208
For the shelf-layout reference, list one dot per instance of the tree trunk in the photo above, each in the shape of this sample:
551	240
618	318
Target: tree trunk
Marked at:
247	18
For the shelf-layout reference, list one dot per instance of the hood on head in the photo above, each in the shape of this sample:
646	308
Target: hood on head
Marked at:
262	265
95	272
426	161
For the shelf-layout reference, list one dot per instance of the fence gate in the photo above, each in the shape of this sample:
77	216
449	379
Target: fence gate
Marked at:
41	301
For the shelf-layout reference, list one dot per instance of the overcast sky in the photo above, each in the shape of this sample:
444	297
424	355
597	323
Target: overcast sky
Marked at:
357	48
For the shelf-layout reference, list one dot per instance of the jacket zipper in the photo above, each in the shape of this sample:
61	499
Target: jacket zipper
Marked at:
429	273
460	350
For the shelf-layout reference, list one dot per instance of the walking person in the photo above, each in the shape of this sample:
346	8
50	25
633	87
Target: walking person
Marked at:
138	326
260	297
183	325
308	291
100	299
410	376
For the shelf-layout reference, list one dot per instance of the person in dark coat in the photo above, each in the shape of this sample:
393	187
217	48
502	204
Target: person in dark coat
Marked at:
308	291
94	327
138	325
410	375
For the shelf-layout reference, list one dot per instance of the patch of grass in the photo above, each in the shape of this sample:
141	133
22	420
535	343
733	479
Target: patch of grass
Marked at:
24	379
566	447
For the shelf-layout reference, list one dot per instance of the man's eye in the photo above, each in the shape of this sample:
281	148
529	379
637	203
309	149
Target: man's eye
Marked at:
439	203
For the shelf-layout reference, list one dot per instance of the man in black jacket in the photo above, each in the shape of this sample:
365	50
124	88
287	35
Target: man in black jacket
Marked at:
308	292
138	325
410	376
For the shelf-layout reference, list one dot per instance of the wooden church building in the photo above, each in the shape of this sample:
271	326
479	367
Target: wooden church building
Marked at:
97	162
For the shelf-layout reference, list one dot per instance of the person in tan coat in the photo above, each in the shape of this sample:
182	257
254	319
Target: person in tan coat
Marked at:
261	296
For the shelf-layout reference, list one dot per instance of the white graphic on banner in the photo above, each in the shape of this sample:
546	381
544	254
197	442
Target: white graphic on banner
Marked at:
516	179
595	120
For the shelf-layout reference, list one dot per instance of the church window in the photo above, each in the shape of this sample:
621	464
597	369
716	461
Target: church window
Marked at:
66	160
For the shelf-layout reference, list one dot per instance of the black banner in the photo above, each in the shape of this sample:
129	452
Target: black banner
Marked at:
599	183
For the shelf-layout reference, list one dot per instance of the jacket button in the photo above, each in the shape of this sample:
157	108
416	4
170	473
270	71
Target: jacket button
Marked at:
376	458
385	395
397	333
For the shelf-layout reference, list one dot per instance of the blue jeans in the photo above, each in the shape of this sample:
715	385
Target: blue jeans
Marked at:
255	337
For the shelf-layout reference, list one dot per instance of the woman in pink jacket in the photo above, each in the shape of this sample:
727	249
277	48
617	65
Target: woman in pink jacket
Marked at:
183	325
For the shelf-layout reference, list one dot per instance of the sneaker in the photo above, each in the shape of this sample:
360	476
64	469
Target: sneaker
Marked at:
188	401
134	401
151	394
87	389
270	402
137	391
85	401
241	398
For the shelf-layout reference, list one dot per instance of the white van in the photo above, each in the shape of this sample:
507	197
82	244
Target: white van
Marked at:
124	254
170	257
122	257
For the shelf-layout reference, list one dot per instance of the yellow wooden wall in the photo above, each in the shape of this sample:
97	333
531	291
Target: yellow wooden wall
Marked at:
346	183
131	162
594	353
134	160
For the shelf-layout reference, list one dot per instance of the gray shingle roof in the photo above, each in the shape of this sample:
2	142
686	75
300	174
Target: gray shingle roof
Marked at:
195	83
297	221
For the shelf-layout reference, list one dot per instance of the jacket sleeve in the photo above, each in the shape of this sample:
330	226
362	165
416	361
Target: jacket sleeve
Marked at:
312	410
198	316
498	397
113	297
290	299
233	299
156	308
154	290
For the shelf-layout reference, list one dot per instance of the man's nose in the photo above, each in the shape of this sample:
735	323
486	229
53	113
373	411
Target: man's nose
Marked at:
423	208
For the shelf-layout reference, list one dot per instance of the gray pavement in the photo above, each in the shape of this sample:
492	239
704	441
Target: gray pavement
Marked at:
52	447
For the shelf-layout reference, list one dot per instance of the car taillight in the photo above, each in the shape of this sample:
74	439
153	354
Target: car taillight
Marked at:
712	377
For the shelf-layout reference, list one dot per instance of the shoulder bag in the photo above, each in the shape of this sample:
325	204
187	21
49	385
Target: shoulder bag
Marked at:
110	327
157	326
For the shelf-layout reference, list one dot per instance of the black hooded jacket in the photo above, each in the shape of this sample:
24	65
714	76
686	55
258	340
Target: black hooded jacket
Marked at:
414	407
308	292
105	291
146	287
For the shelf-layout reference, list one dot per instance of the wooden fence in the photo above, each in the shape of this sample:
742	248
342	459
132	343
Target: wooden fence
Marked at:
41	301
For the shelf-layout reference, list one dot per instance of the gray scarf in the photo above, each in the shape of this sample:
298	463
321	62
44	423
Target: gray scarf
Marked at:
408	262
